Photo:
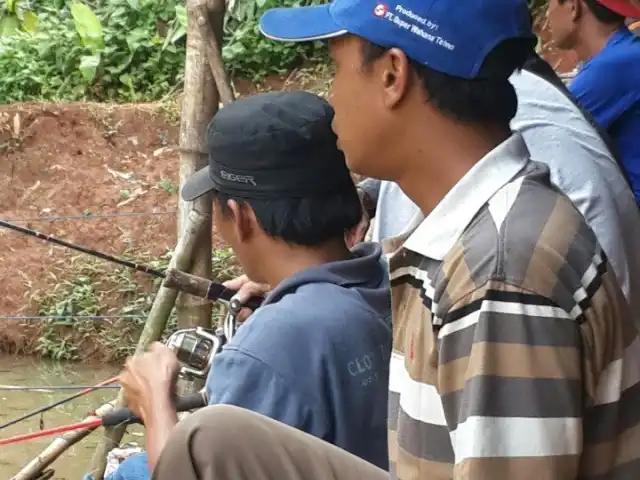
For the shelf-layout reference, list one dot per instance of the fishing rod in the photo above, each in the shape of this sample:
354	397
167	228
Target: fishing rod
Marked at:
172	278
53	388
79	248
59	402
120	417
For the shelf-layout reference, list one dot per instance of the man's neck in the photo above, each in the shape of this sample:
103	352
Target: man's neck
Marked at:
285	260
428	182
593	39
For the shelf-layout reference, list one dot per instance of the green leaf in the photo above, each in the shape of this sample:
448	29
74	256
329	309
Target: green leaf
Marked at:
88	26
135	4
29	22
89	65
136	38
181	15
9	25
178	34
11	6
128	81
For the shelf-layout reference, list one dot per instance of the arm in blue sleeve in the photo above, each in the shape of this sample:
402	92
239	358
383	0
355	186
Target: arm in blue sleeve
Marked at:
599	91
240	379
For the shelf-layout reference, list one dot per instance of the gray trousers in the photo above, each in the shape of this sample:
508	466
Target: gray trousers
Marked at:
223	442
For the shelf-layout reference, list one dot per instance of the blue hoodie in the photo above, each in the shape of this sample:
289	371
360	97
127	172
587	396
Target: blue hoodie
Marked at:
315	356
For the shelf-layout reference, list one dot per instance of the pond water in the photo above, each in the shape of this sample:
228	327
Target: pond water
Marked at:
13	404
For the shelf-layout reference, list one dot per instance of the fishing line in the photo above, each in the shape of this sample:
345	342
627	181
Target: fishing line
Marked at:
59	402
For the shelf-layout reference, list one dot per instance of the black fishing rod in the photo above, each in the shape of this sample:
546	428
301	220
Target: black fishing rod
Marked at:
124	416
79	248
191	284
119	417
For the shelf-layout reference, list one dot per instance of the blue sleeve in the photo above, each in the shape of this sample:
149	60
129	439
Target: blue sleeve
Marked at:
602	93
239	378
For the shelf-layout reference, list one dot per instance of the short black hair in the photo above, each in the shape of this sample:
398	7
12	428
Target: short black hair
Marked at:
309	221
489	99
602	13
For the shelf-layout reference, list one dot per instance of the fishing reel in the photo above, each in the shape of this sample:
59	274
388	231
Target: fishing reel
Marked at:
196	347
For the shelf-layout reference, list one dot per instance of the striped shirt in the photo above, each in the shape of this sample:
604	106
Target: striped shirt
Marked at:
515	355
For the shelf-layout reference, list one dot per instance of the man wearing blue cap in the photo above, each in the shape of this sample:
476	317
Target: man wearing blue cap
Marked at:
515	355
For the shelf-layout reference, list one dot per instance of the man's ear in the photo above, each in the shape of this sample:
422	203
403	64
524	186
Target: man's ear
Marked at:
576	9
395	72
244	220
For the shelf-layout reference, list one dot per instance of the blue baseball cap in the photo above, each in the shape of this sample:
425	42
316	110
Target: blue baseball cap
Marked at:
450	36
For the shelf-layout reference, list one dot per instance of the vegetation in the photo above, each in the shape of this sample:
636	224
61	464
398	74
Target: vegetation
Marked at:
129	50
124	50
89	287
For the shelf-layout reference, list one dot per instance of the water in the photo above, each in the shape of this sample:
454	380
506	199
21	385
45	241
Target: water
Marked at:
17	371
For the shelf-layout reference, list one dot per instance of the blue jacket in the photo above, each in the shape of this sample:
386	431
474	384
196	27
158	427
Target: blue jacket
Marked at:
315	356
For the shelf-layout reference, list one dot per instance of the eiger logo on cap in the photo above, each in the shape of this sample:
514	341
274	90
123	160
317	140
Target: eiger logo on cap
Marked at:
232	177
380	10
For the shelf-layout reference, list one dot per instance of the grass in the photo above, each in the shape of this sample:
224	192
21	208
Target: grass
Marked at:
91	287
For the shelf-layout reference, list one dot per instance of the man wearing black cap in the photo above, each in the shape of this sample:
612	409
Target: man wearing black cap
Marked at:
315	355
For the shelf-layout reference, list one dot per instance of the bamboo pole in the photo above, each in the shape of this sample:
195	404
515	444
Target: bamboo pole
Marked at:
213	50
34	469
154	327
199	105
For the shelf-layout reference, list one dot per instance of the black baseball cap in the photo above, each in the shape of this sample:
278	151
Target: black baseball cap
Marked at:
270	146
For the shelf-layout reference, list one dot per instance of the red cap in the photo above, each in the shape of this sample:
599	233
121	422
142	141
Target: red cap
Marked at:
626	8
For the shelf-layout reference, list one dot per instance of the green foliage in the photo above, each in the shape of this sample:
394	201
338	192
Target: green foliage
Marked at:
124	50
130	50
16	16
110	50
89	287
248	54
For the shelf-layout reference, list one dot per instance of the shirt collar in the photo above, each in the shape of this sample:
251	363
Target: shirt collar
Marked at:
436	234
362	269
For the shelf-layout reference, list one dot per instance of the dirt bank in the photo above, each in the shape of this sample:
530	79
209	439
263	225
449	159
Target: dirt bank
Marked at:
96	163
114	170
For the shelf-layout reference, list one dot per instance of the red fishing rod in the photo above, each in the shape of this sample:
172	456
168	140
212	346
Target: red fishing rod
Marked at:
120	417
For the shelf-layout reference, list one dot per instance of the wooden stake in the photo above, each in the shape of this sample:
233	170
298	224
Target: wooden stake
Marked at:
199	105
213	51
154	327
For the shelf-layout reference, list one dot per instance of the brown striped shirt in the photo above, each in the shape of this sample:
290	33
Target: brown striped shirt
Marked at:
515	355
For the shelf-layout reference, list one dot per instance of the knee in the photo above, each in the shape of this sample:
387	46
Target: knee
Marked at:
217	438
221	428
218	416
